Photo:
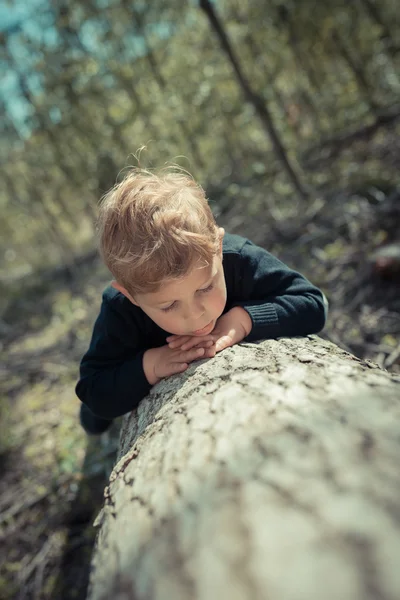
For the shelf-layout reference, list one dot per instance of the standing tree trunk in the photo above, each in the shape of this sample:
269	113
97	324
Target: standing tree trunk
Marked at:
255	100
140	28
270	472
356	69
374	13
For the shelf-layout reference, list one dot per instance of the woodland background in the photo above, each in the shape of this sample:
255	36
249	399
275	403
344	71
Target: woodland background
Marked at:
287	112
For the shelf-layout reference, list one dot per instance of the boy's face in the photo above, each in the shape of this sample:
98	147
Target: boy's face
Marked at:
189	306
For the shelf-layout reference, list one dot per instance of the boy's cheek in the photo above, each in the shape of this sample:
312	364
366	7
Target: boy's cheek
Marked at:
220	303
171	325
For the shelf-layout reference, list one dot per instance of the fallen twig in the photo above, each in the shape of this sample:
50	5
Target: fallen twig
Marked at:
331	147
27	570
392	358
26	503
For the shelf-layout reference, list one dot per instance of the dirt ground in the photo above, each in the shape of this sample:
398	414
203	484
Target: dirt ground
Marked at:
53	475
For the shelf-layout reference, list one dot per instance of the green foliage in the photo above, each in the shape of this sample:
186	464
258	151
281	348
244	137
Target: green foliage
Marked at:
95	81
6	437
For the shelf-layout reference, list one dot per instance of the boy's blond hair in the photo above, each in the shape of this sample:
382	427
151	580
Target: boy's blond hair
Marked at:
155	227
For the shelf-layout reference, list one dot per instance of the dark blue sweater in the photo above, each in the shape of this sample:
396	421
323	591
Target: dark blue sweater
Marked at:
280	302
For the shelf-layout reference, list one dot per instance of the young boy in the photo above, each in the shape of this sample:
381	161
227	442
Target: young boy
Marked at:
183	290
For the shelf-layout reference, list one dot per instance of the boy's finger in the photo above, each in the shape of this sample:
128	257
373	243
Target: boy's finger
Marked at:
173	345
186	342
177	368
223	342
172	338
195	343
192	354
178	341
200	340
210	352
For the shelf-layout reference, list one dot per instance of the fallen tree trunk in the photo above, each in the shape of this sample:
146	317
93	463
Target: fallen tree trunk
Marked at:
269	472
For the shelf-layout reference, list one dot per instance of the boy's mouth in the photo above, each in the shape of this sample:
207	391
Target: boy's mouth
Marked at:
205	330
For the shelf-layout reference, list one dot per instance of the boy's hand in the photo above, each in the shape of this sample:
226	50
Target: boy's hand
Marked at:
185	342
230	329
162	362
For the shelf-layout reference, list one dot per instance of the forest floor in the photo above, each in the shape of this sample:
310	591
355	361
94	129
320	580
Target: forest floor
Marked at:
52	475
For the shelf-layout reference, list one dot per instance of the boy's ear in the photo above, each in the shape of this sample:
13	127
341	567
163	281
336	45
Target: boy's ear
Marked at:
123	291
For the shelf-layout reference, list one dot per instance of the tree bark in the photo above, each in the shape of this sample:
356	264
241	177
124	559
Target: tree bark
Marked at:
269	472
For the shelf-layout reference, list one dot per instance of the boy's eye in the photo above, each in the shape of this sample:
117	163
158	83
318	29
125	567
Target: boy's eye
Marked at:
174	304
170	307
208	289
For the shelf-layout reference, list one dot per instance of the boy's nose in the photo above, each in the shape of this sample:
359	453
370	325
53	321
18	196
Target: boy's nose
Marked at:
194	313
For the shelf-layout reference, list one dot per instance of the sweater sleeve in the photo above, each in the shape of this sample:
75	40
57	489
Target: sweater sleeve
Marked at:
280	302
112	380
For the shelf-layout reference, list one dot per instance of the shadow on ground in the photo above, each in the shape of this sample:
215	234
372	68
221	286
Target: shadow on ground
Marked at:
74	567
